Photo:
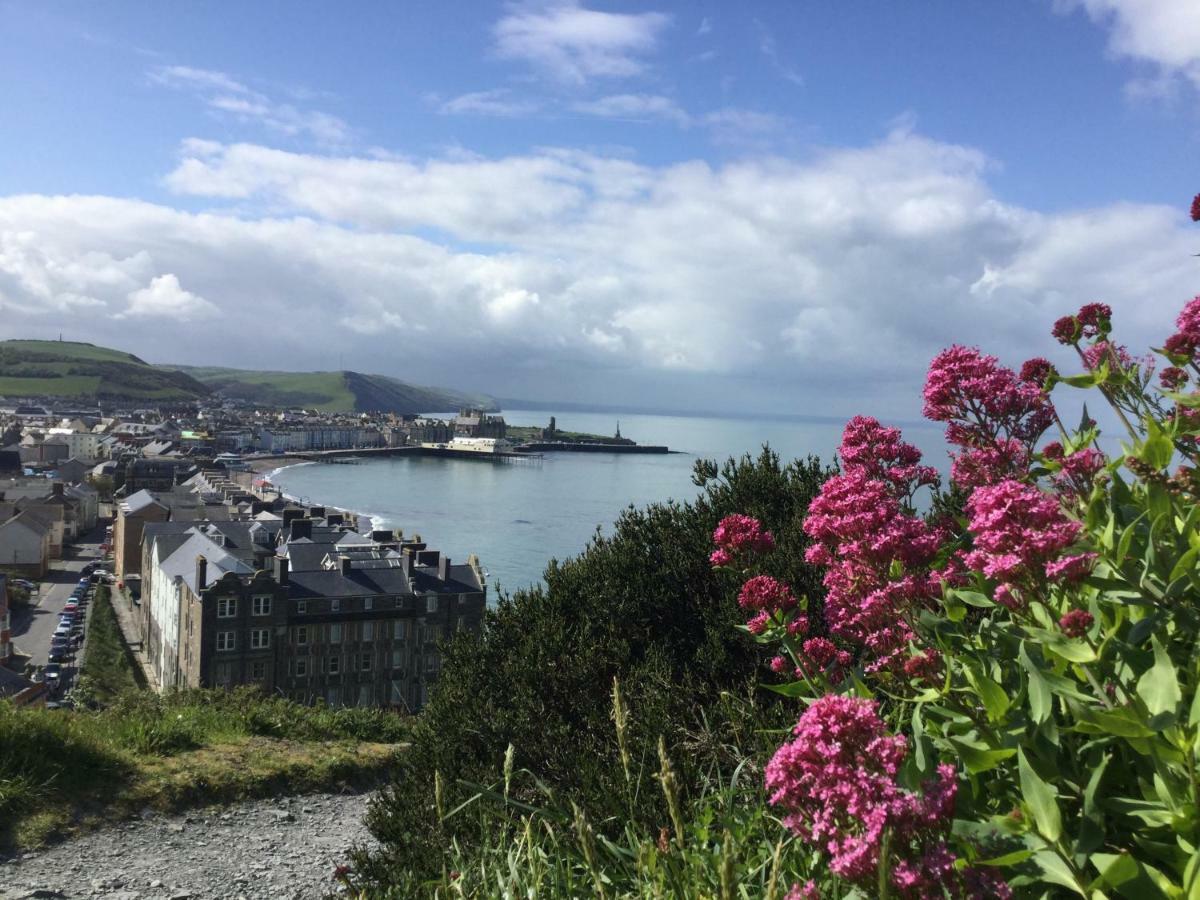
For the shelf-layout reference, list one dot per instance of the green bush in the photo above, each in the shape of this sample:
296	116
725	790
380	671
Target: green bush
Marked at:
642	605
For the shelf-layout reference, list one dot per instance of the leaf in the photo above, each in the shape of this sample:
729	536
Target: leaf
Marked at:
1158	687
791	689
1041	699
1041	800
1055	871
973	598
1077	651
1120	722
978	759
1157	449
994	698
1186	564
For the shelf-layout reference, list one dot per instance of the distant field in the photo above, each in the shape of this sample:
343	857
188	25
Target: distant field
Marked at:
70	369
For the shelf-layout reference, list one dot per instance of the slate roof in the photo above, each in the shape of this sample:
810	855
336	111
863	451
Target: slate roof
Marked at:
139	501
182	562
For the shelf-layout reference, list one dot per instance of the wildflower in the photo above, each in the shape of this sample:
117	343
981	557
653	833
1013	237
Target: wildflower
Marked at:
1188	321
765	593
1053	450
1066	330
1181	346
742	534
924	665
1115	355
1071	569
1196	208
1094	319
1007	597
1017	530
1172	378
758	624
1037	371
979	466
809	891
798	625
820	650
1076	623
720	557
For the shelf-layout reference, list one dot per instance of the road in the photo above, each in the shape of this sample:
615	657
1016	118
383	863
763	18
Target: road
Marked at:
33	627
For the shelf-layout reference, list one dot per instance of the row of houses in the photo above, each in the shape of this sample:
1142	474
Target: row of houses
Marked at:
294	600
37	517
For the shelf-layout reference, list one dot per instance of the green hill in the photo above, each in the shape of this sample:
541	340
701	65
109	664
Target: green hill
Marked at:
332	391
68	369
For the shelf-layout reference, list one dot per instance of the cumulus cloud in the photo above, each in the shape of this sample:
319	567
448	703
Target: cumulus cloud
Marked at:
165	297
225	95
767	283
642	107
1163	32
575	43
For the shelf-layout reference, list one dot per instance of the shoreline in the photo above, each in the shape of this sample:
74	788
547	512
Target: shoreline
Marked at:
266	469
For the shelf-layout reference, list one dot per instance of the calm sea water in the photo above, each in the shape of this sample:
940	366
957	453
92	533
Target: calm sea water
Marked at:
517	517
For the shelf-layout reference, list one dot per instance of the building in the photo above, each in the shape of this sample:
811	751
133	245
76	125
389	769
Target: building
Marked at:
304	606
6	644
474	423
25	545
132	515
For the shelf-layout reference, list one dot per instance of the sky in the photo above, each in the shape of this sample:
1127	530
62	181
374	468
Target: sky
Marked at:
701	206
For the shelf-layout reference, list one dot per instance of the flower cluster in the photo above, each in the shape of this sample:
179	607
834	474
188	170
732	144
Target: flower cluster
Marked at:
877	553
739	536
1183	347
1076	623
993	414
765	597
1020	534
1196	208
836	784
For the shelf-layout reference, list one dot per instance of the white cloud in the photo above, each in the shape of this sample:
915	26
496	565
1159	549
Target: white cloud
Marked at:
165	297
801	286
1163	32
575	43
498	102
640	107
226	96
768	48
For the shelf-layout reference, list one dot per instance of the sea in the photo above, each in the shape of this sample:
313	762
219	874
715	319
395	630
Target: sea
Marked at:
516	517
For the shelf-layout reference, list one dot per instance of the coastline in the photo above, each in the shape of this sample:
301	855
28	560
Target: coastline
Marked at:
267	468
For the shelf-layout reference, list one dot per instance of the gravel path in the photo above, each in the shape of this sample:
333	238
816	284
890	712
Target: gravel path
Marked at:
281	848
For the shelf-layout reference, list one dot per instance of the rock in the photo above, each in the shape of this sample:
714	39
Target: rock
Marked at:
155	883
175	828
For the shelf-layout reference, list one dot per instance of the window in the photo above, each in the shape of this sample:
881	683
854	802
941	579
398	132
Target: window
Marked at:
364	695
335	634
368	602
258	670
335	665
368	631
301	607
302	668
397	659
301	635
262	606
260	638
335	604
365	663
226	640
226	607
397	692
398	629
431	602
433	663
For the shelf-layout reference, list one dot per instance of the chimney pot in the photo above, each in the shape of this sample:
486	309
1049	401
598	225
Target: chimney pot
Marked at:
281	570
201	572
444	568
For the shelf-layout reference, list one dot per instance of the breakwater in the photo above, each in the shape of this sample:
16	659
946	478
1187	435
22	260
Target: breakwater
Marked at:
589	447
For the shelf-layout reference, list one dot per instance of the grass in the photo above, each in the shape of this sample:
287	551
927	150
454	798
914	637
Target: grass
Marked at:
72	369
62	771
108	668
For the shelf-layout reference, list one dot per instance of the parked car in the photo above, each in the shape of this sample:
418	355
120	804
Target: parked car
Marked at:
25	583
58	654
52	672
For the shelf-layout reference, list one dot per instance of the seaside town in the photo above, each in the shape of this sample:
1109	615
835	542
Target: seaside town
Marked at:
217	579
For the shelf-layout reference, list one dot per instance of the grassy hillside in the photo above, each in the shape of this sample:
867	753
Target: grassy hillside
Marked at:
331	391
69	369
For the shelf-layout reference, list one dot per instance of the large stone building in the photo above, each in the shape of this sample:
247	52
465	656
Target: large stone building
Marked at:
302	605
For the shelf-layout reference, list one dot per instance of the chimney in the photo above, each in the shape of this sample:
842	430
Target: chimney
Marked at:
316	512
281	570
406	564
427	557
382	536
290	515
345	561
335	519
444	568
57	489
302	528
258	506
201	572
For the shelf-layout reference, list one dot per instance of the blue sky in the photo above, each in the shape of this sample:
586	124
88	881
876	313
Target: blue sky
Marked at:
690	204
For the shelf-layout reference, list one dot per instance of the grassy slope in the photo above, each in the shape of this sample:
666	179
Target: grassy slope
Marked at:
78	370
330	391
108	670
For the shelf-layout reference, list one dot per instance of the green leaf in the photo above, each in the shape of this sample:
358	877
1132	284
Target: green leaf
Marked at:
791	689
978	759
1157	449
1041	799
1158	687
1055	871
1186	564
995	699
1072	650
1120	722
973	598
1041	700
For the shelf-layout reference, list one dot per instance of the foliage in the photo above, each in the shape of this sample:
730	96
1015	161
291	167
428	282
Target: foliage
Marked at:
641	605
108	669
1047	658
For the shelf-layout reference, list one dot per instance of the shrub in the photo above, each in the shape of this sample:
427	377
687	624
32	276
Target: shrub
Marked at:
642	605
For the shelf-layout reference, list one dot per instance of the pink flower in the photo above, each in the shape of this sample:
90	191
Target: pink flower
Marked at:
837	785
1172	378
1037	370
1066	330
976	467
924	665
820	650
1188	321
1079	469
1071	569
765	593
809	891
1095	319
1196	208
740	534
758	623
1017	530
778	665
720	557
1007	597
1053	450
1115	355
1076	623
1181	347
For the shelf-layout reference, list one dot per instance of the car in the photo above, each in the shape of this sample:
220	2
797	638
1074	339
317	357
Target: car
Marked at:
58	654
52	672
70	606
26	584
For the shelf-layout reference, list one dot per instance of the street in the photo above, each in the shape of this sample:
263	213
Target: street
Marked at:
32	628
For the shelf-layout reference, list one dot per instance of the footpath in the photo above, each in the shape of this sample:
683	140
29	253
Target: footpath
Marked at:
278	848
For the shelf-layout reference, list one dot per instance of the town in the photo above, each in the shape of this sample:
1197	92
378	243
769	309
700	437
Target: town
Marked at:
216	579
